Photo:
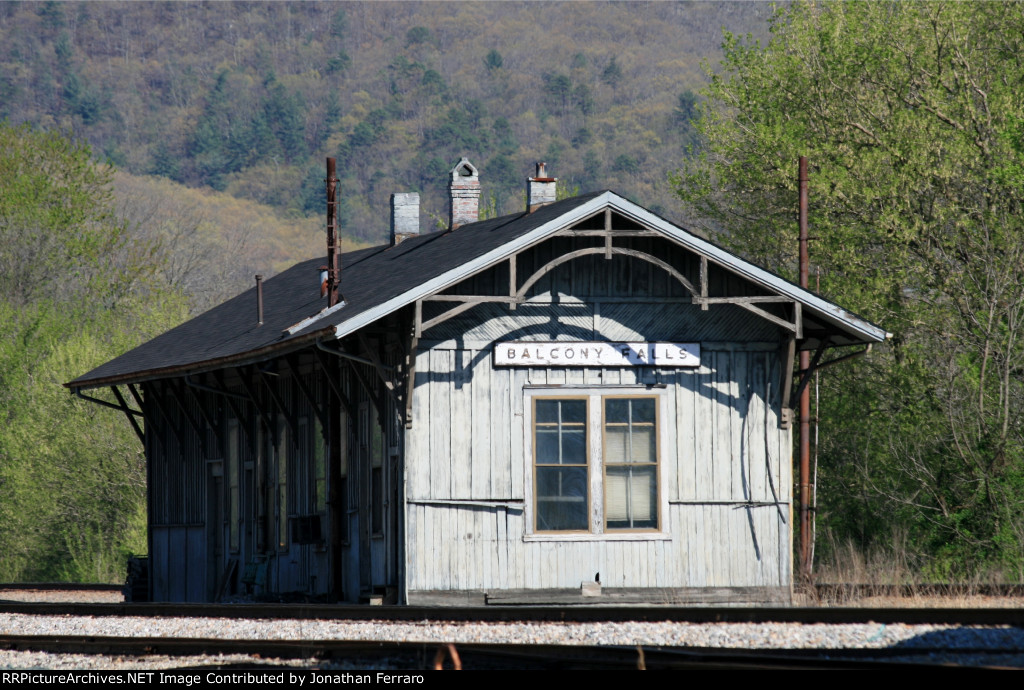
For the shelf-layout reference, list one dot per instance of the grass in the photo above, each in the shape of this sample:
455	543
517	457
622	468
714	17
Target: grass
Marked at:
890	577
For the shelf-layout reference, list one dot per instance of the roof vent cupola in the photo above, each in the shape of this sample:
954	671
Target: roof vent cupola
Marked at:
540	189
464	204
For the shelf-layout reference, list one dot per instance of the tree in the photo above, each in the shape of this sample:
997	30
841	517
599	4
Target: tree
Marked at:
417	34
339	24
558	87
493	60
908	114
75	290
339	63
612	74
685	115
58	232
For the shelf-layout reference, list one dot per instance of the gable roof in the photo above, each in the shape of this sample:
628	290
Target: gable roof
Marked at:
377	281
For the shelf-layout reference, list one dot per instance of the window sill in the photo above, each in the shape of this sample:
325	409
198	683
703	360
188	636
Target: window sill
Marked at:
604	536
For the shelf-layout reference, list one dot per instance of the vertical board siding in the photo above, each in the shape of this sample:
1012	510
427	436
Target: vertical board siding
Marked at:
501	434
160	570
195	587
460	424
475	553
755	432
439	417
177	553
686	433
480	453
724	457
417	465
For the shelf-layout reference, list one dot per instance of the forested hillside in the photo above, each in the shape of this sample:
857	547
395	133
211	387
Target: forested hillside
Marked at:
249	98
218	116
911	117
215	119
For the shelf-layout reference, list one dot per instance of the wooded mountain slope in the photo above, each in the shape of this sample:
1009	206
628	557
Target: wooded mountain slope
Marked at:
249	98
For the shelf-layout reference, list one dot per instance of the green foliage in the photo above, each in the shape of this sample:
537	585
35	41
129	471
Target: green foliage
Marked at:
339	63
558	87
506	179
493	60
583	98
910	116
626	164
55	220
72	499
268	127
612	74
339	23
685	116
417	34
75	289
221	94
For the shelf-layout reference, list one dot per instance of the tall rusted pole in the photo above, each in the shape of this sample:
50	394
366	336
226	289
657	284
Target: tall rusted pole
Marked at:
336	501
805	396
333	272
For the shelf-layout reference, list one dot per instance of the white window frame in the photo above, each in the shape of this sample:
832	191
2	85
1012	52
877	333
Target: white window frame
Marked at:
595	462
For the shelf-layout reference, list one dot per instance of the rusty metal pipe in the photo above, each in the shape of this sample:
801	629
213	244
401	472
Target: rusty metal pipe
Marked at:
333	273
259	299
216	391
354	358
805	394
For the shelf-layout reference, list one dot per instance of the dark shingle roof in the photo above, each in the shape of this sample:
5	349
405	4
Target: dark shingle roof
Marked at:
377	281
369	279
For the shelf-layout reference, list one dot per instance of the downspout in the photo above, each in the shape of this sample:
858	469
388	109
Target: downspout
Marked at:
354	358
210	389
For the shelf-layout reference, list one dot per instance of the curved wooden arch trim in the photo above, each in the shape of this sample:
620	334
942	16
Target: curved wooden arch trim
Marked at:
643	256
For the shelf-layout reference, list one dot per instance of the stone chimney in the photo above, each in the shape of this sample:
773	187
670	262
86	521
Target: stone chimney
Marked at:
540	189
405	216
465	195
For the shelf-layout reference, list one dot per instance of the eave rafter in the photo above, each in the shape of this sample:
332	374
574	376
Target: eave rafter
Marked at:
122	406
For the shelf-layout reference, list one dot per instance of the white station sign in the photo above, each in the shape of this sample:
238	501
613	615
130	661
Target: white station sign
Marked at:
565	354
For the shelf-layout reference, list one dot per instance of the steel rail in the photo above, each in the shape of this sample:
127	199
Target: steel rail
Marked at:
564	614
820	590
421	655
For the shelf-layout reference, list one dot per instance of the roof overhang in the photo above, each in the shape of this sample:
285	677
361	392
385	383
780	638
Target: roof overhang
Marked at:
239	360
330	324
860	329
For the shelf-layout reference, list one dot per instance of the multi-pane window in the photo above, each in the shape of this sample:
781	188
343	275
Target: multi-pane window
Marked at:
595	463
561	464
630	463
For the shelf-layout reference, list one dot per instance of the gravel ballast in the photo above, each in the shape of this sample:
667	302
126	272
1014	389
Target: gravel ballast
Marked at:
945	639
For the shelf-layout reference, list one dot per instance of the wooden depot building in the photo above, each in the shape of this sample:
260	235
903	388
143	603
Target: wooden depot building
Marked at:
579	402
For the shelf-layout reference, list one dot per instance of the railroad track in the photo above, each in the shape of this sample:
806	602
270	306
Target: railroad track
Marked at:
428	656
999	643
533	614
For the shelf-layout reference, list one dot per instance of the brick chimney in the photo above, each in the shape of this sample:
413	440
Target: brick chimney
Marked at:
465	195
540	189
405	216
